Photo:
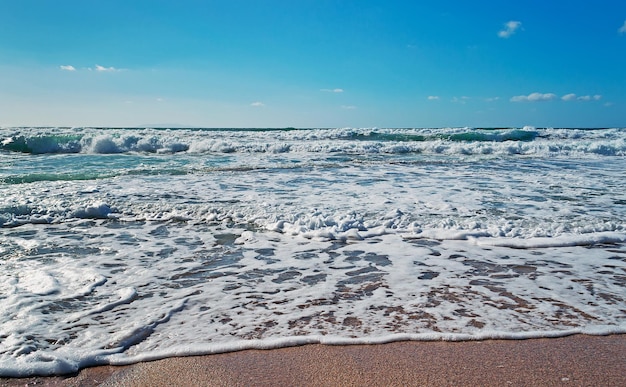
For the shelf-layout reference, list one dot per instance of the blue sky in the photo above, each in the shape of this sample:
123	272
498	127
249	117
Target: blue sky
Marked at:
313	63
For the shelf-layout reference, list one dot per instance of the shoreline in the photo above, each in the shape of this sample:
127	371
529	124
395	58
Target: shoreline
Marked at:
576	360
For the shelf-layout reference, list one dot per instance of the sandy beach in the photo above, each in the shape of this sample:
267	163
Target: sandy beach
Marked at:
578	360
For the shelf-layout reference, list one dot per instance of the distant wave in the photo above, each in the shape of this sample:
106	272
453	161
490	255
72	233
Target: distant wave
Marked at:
464	141
466	136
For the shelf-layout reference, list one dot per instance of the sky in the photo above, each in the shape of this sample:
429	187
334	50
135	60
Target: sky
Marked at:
313	63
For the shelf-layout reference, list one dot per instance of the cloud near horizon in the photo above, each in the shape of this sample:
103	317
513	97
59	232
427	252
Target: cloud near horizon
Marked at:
573	97
106	69
97	68
537	97
257	104
534	97
510	28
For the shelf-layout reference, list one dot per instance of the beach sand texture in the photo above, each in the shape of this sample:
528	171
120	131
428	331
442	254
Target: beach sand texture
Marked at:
578	360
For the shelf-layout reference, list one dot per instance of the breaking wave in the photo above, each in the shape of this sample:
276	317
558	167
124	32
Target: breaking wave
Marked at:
464	141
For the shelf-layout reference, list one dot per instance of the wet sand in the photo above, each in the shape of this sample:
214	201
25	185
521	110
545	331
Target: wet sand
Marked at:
577	360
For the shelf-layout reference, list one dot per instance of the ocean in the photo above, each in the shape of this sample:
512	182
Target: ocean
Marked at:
127	245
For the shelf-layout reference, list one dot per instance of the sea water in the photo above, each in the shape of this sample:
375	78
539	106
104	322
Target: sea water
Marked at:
125	245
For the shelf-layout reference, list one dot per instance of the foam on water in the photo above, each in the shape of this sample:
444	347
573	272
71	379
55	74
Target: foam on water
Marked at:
387	141
313	236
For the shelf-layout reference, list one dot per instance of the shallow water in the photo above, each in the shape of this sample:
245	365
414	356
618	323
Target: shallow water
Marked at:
120	245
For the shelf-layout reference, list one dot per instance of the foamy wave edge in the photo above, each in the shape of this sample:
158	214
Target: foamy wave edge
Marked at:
52	364
295	341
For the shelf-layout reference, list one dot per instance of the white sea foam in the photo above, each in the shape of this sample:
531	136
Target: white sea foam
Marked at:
135	248
273	290
456	141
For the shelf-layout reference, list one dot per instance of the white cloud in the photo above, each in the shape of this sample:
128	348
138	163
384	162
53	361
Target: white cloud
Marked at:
106	69
510	28
97	68
433	97
569	97
573	97
622	29
492	99
257	104
534	97
332	90
348	107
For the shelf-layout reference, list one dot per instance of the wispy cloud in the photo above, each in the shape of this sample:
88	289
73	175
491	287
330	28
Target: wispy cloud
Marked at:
534	97
257	104
510	28
433	98
348	107
106	69
573	97
492	99
97	68
589	97
332	90
622	29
